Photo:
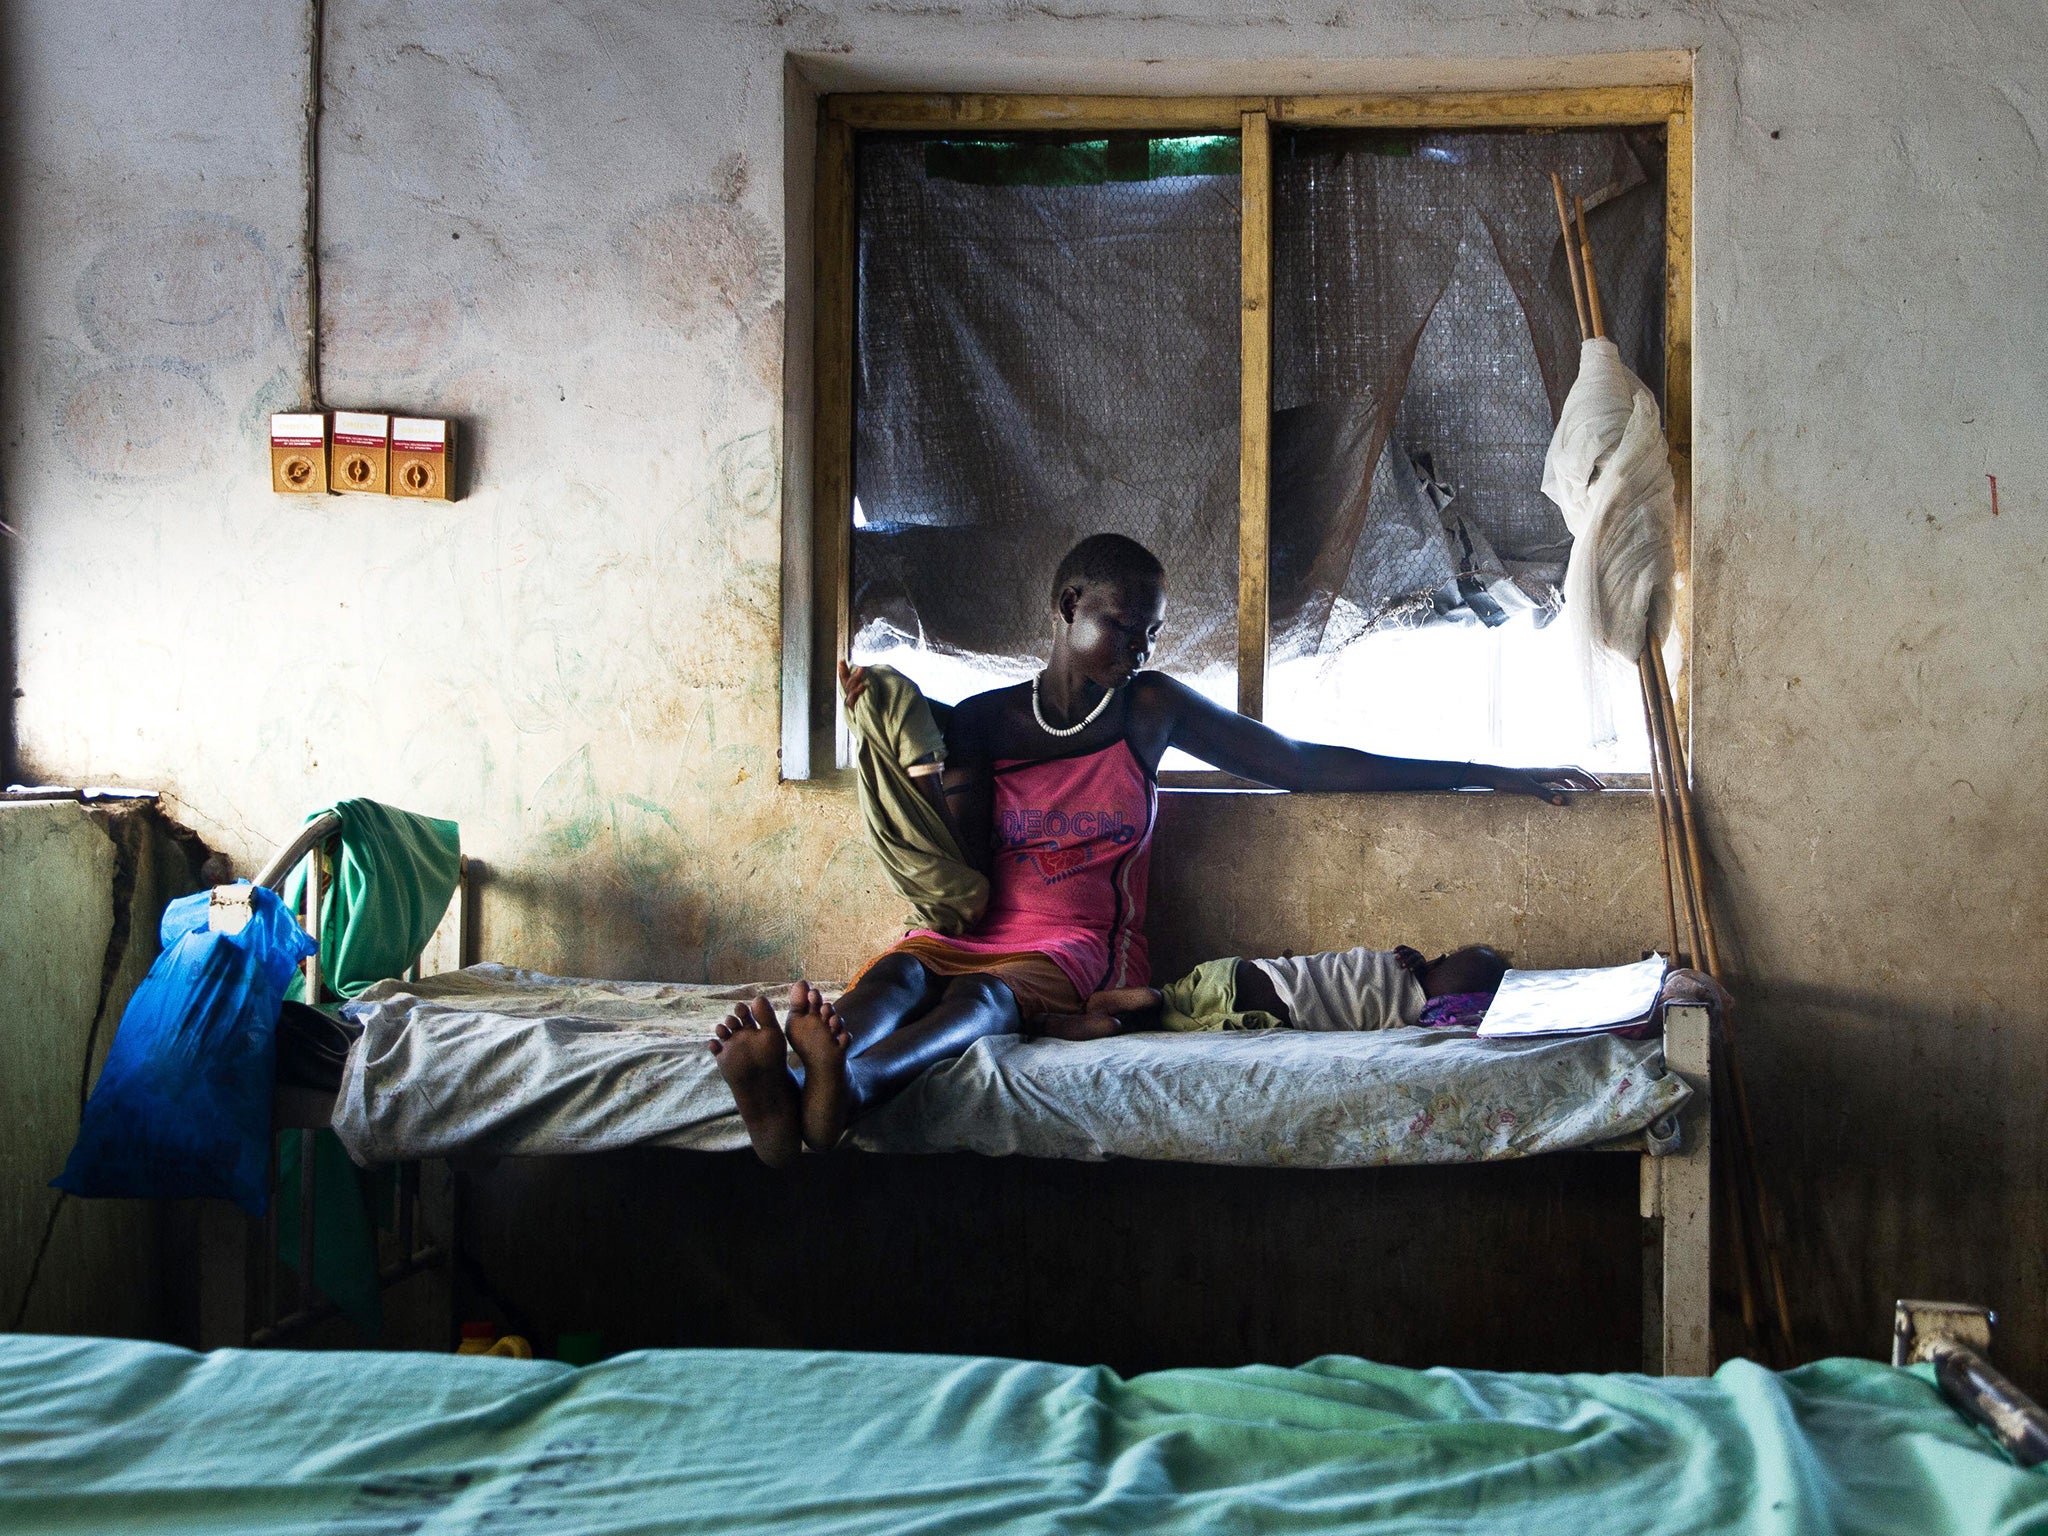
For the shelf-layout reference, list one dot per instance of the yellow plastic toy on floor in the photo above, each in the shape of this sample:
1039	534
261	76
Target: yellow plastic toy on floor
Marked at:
482	1339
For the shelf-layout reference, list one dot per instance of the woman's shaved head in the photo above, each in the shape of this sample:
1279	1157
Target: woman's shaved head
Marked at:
1108	559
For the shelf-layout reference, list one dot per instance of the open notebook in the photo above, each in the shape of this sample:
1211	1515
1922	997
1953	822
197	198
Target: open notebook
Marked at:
1575	1002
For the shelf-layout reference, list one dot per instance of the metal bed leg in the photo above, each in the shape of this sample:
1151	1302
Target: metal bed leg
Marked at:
223	1275
272	1269
312	905
1677	1199
1951	1338
441	1212
306	1182
469	872
408	1198
242	1292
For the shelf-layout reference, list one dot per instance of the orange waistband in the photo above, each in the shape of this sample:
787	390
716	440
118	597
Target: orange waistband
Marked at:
1038	983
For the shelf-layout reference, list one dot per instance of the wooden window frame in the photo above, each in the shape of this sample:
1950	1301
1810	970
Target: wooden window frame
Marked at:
815	734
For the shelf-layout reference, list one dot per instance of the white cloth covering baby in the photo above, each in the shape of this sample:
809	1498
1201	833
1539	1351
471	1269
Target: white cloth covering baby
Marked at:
1346	989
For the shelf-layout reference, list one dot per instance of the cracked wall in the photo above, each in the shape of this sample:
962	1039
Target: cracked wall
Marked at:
81	893
565	226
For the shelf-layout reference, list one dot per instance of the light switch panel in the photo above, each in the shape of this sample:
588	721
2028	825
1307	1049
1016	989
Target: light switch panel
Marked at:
423	457
362	452
298	453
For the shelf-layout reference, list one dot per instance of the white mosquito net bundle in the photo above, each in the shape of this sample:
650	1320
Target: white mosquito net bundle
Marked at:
1609	472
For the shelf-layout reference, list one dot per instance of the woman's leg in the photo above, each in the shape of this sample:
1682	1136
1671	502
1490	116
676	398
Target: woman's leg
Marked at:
844	1083
895	988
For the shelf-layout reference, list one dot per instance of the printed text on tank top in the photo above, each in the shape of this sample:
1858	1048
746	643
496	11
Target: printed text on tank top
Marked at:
1072	837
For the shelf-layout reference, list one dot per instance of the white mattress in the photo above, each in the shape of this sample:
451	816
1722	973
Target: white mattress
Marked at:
512	1062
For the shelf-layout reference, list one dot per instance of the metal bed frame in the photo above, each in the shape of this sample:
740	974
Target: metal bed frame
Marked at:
244	1296
246	1299
1952	1337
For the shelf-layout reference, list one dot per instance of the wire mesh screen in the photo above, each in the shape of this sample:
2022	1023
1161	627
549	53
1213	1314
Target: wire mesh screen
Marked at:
1424	337
1047	348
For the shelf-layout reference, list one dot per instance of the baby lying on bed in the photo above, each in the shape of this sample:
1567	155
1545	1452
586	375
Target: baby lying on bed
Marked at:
1337	989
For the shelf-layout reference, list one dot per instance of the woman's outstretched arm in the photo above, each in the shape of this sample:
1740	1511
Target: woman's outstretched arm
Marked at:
1230	741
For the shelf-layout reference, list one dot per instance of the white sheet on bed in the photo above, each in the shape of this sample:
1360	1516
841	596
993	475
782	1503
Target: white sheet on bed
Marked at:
506	1061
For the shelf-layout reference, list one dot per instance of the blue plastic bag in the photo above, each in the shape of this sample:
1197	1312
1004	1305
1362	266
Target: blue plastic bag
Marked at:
182	1108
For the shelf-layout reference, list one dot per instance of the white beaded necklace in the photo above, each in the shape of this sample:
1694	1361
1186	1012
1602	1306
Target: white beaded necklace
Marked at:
1069	730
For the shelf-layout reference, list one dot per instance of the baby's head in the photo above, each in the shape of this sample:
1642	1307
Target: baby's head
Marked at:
1475	968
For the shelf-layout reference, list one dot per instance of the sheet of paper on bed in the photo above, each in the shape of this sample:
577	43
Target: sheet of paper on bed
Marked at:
1574	1002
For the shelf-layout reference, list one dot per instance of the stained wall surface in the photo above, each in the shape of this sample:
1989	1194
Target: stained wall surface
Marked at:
82	893
566	227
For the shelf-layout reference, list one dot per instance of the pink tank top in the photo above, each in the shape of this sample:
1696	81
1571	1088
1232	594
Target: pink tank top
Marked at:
1073	852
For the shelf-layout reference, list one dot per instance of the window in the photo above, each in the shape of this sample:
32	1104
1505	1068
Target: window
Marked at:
1045	346
1309	349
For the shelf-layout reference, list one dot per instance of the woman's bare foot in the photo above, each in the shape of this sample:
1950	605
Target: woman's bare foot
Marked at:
753	1058
820	1041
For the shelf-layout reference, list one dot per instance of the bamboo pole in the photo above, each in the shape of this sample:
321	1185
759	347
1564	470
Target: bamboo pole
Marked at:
1586	257
1664	774
1663	811
1764	1264
1760	1199
1670	778
1742	1145
1738	1240
1564	228
1667	772
1681	781
1771	1268
1774	1262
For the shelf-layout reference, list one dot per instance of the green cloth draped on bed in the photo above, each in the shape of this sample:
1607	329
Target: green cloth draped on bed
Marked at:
110	1436
392	879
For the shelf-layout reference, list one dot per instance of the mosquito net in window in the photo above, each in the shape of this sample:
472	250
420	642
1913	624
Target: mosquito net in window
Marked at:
1047	344
1424	336
1047	347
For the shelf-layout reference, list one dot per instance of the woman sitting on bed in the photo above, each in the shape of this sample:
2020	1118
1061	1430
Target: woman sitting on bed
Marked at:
1050	786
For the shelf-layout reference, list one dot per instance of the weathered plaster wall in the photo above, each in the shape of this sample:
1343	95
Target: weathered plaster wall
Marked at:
82	893
1264	874
566	225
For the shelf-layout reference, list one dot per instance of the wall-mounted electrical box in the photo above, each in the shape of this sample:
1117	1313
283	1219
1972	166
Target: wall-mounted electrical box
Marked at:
423	457
361	455
298	453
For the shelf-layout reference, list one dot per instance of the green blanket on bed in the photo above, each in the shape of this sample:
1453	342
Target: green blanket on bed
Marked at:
109	1436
